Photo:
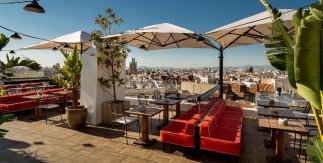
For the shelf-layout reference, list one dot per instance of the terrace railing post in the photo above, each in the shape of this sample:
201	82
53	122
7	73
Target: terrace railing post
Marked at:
221	72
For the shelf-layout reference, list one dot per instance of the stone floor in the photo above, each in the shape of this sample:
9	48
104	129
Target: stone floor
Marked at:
36	141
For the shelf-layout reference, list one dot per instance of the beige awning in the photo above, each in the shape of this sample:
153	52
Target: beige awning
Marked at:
80	39
249	30
162	36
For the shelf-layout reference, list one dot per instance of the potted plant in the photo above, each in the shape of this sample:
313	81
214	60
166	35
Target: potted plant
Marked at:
71	75
111	58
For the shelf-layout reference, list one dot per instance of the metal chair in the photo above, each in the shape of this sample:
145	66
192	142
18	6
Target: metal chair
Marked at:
171	92
51	103
124	120
142	100
309	127
156	96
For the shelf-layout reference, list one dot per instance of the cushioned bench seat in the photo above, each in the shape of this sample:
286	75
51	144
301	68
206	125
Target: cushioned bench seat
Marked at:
220	131
223	140
195	109
234	108
179	133
16	102
232	115
230	123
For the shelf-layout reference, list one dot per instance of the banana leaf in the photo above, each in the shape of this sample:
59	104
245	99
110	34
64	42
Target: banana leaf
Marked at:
280	44
308	67
314	149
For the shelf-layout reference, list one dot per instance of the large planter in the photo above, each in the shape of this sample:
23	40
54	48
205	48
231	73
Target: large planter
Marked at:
76	118
107	107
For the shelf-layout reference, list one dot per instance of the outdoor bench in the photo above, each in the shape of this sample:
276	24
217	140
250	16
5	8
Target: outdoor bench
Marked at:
16	102
182	130
220	130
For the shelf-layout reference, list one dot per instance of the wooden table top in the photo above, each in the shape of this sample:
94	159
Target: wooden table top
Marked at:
265	103
144	111
166	102
283	113
62	92
35	97
272	123
174	96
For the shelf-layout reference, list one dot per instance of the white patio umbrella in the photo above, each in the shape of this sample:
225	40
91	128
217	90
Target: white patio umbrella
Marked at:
246	31
249	30
80	39
162	36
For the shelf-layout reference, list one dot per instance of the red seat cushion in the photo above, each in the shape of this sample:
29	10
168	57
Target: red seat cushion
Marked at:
184	118
232	115
233	108
223	140
175	133
195	109
230	123
20	106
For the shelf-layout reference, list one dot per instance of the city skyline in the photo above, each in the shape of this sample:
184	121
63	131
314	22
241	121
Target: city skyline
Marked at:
53	24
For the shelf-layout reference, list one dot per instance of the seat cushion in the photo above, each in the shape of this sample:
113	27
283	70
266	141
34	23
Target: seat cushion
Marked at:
184	118
195	109
223	140
232	115
126	120
234	109
230	123
175	133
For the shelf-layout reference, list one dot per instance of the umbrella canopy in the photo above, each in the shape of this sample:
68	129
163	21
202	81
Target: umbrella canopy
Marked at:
249	30
80	39
162	36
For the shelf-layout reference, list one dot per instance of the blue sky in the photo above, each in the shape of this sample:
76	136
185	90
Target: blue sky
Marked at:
66	16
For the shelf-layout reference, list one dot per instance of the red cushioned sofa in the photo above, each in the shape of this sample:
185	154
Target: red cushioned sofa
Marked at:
220	131
15	102
182	130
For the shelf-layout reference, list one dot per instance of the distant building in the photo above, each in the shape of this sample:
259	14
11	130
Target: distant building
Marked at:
132	67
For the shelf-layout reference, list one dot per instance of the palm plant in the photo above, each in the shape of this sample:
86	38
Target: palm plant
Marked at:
280	45
3	41
71	74
16	61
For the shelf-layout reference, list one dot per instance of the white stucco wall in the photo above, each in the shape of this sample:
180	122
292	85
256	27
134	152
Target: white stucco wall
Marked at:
91	93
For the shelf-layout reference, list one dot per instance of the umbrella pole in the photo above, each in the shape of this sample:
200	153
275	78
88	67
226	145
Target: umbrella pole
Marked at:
221	72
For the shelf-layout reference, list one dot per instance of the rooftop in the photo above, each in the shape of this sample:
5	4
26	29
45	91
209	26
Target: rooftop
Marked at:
36	141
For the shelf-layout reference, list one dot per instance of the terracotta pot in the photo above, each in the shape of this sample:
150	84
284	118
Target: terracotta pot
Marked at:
76	118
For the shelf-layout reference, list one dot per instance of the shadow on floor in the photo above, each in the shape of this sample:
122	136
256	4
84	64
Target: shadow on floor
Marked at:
14	151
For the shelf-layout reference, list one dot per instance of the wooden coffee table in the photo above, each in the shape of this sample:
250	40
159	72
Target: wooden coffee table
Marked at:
145	113
278	133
